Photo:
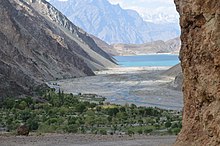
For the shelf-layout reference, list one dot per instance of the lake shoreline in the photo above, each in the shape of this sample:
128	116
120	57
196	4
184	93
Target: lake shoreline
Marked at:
150	60
151	54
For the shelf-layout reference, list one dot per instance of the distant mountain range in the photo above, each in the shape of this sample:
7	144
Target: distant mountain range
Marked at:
38	44
170	46
161	18
113	24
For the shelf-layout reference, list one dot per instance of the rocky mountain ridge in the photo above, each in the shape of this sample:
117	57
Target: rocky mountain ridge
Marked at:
171	46
113	24
38	44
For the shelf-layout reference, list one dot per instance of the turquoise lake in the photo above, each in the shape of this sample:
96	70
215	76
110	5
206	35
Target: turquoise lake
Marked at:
147	60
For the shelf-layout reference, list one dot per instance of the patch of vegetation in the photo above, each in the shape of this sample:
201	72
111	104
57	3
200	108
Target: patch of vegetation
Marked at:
68	113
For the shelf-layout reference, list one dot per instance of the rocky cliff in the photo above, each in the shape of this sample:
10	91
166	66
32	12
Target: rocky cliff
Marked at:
38	43
200	60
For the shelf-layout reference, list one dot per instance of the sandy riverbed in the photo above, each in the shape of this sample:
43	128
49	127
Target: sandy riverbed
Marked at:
143	86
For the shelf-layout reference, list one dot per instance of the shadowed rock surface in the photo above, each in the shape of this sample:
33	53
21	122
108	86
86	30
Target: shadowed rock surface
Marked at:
200	60
38	43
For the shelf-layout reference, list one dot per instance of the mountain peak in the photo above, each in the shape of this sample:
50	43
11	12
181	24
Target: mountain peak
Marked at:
113	24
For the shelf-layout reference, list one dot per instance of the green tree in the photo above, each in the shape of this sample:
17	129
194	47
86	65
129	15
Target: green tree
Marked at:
61	98
22	105
29	101
112	111
25	115
80	108
72	120
168	124
9	103
33	124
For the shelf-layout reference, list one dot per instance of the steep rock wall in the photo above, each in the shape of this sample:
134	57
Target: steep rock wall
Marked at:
200	60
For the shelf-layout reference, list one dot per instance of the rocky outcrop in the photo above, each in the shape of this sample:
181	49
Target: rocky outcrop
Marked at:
38	44
200	60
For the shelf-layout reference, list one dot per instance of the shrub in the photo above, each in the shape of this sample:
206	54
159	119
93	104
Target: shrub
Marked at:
130	132
148	130
103	132
176	130
44	128
140	131
71	128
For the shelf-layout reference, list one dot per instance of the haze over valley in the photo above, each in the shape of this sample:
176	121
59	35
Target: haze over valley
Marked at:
113	24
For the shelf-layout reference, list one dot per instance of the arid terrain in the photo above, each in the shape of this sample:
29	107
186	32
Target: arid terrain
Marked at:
171	46
87	140
143	86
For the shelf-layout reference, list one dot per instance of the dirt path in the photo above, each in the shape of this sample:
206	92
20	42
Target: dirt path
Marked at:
86	140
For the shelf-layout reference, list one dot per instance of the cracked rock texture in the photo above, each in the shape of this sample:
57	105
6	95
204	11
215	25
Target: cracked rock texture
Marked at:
200	60
38	44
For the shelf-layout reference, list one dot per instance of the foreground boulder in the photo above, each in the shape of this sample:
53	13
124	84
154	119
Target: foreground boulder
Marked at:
200	60
23	130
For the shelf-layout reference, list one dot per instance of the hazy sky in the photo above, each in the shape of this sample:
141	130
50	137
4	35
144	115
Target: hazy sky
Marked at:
148	6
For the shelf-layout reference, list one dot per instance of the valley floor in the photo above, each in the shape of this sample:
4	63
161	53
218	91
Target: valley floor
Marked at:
143	86
86	140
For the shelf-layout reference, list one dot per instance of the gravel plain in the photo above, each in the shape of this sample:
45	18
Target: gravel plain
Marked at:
86	140
143	86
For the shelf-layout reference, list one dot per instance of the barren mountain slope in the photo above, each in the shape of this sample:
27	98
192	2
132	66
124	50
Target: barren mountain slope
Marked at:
170	46
38	43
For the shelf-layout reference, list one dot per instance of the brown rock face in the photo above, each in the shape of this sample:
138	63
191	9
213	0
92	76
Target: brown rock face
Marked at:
200	60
